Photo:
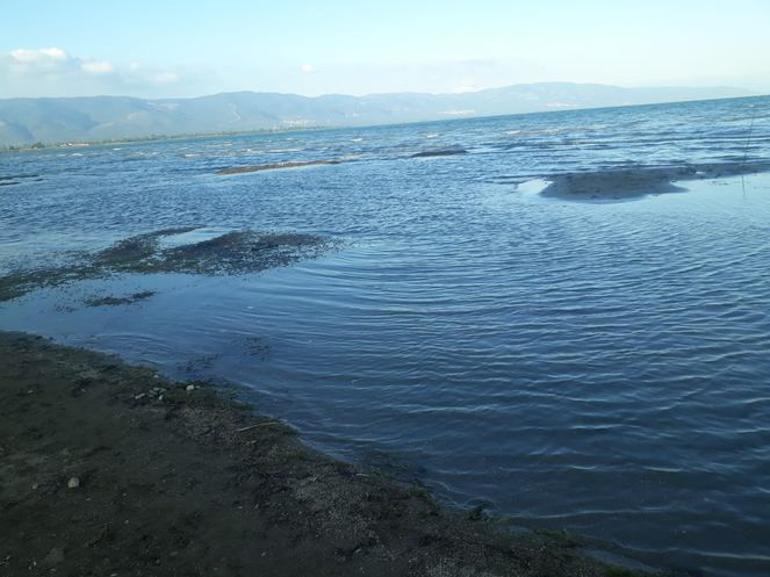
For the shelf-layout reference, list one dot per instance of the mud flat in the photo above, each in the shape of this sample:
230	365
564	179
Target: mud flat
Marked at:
622	184
236	252
109	469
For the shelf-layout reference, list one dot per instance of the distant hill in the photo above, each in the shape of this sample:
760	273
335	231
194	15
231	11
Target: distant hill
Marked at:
25	121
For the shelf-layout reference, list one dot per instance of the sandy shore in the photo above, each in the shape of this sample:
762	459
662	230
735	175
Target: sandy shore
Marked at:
108	469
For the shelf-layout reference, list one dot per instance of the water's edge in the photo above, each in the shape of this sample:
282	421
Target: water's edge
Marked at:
136	389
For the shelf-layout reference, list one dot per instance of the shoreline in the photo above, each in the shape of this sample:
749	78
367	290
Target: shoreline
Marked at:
108	468
75	143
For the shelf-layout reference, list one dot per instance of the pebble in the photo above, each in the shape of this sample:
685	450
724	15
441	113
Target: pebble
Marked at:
73	483
54	557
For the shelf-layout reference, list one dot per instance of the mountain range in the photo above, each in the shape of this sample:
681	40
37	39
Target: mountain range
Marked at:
24	121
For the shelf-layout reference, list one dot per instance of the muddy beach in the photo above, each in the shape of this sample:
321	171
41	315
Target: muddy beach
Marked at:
110	469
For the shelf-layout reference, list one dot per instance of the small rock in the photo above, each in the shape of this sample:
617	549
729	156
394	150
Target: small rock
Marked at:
54	557
73	483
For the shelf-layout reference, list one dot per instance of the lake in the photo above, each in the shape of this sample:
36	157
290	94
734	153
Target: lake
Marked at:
596	366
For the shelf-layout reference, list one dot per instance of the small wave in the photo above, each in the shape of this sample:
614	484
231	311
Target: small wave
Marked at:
275	166
440	152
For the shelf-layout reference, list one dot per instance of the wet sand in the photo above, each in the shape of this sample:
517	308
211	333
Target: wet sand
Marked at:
625	184
109	469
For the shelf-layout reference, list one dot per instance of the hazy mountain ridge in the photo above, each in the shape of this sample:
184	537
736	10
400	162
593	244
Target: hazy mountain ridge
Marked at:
24	121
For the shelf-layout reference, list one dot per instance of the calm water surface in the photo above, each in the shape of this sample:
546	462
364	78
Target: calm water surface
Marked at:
602	367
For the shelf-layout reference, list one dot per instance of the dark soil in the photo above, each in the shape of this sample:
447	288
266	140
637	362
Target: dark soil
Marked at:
109	470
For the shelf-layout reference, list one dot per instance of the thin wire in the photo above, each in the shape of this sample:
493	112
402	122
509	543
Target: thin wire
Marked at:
746	148
748	138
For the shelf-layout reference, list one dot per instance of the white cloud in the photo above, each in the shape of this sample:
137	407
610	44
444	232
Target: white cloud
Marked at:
40	55
54	72
307	68
97	67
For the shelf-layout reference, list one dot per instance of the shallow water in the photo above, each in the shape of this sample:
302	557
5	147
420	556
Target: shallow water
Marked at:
601	367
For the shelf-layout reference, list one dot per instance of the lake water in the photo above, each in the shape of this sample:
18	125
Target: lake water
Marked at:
602	367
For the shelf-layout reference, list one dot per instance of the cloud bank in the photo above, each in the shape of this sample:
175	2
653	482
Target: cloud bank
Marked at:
52	71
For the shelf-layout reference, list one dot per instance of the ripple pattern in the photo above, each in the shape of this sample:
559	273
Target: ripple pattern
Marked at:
598	367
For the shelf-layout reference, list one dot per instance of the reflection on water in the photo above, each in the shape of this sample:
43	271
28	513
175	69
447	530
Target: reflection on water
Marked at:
598	367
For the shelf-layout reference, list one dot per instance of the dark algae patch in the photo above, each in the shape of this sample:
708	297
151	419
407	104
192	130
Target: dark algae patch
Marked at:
240	252
237	252
108	469
627	183
116	301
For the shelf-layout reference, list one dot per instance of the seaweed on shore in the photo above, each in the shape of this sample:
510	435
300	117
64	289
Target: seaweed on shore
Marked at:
237	252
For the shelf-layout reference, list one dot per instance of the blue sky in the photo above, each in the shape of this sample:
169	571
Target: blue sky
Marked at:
172	48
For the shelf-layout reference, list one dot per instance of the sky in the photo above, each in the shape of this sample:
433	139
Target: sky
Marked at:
157	48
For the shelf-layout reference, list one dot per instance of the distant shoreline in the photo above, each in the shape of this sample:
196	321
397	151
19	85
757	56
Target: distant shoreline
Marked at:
414	118
157	138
